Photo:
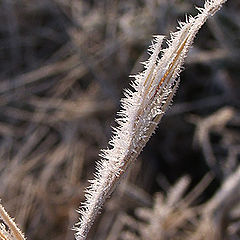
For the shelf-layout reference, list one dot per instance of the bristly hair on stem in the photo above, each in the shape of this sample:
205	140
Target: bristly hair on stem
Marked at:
8	228
141	111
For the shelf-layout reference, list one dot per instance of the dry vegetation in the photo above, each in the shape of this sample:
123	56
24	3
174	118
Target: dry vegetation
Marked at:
63	66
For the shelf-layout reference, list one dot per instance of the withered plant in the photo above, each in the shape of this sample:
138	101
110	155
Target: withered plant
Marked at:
142	109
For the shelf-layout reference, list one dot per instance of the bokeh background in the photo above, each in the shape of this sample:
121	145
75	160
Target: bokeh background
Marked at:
63	66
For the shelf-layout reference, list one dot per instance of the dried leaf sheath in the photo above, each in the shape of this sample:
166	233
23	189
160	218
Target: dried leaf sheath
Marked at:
142	109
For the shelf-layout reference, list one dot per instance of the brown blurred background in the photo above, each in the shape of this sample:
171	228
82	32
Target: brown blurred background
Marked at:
63	65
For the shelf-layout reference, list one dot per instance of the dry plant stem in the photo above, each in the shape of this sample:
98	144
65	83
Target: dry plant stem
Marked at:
142	110
8	229
225	199
216	213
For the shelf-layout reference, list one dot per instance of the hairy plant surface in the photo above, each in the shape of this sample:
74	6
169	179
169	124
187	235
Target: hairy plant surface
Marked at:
63	65
8	229
142	109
